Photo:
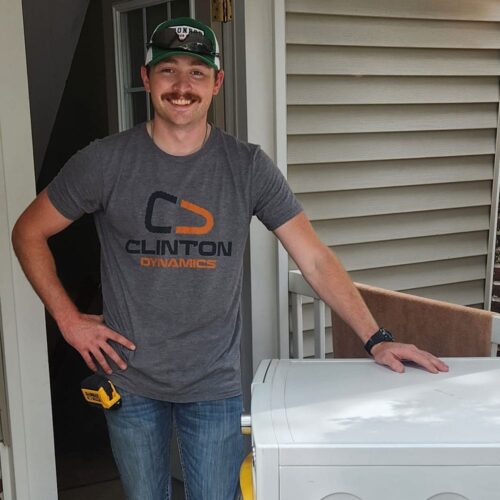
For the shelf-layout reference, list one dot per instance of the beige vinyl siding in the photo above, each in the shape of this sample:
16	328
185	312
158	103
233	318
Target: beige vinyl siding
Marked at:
391	145
466	10
365	89
340	119
321	60
318	177
373	228
395	200
392	116
316	29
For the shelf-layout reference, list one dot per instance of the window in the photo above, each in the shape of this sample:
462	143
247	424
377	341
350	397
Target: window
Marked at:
134	22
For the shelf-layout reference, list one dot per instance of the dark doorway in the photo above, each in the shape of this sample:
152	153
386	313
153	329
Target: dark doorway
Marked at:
83	456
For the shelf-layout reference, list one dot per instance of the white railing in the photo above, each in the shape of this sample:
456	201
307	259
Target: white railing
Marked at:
299	289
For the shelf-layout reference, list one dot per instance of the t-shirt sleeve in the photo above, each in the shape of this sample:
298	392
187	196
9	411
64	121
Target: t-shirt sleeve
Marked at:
78	187
273	200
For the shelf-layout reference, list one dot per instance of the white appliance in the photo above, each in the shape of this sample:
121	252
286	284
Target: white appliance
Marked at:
351	429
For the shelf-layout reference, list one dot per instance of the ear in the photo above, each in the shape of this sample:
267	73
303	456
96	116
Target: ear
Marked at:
145	78
218	81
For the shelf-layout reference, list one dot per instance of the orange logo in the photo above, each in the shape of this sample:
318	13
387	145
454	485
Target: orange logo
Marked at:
205	228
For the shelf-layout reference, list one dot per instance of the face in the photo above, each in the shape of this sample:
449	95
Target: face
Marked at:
182	88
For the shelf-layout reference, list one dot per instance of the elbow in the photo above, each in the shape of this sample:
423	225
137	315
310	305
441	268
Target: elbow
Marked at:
20	235
16	235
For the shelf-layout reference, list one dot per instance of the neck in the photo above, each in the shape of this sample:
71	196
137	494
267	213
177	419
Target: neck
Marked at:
178	141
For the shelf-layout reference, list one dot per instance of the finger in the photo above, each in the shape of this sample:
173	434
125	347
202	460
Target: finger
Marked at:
440	365
427	361
88	361
120	339
421	359
387	358
114	356
99	357
394	364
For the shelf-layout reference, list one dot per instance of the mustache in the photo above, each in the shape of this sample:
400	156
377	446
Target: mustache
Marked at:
180	95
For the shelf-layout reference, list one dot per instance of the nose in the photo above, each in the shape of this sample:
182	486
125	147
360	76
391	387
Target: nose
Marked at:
182	82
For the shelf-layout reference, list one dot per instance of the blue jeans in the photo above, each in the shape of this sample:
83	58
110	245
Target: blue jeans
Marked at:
209	439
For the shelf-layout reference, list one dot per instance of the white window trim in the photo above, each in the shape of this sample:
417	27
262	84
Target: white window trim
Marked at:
122	56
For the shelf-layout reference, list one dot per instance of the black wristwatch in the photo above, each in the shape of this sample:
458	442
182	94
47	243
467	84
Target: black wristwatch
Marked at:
381	335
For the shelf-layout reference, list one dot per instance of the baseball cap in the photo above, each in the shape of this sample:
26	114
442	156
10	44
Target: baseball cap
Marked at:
183	36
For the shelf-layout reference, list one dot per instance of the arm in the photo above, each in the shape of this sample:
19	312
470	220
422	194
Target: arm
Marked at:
86	333
326	275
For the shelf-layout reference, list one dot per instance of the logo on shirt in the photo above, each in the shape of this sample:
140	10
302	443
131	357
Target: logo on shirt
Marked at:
205	228
193	253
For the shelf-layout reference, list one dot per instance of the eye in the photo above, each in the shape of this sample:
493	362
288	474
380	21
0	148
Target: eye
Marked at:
198	73
167	69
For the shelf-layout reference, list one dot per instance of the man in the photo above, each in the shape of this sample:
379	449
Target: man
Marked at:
172	201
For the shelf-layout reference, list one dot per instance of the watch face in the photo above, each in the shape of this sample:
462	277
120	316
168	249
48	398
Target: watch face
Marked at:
385	335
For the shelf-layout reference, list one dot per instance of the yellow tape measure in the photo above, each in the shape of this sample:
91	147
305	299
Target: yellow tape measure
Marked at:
98	390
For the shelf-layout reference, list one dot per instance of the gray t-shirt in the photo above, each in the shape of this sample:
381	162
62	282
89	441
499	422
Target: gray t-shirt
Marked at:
173	232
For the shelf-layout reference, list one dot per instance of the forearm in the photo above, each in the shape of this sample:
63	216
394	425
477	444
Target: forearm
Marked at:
38	264
87	333
330	281
326	275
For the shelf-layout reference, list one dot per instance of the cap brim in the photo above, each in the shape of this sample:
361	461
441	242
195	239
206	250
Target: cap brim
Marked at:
161	55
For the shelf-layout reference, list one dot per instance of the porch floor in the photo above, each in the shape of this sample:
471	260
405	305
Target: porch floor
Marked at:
109	490
93	475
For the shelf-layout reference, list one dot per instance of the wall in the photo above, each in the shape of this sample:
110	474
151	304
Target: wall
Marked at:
29	462
392	120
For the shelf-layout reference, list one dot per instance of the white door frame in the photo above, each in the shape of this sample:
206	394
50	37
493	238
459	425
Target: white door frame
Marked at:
27	457
266	123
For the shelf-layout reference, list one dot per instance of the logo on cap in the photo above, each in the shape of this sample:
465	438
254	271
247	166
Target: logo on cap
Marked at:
184	31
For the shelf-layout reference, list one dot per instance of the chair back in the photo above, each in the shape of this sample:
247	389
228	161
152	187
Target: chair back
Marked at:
444	329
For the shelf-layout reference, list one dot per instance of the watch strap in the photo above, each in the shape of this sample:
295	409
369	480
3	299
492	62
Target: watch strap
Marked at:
381	335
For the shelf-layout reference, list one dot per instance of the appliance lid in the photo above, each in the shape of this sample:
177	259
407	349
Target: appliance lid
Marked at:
359	403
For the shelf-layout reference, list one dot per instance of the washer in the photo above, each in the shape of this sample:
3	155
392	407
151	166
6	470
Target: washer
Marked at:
352	429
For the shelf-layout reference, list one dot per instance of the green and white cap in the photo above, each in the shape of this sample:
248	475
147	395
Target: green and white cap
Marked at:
183	36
